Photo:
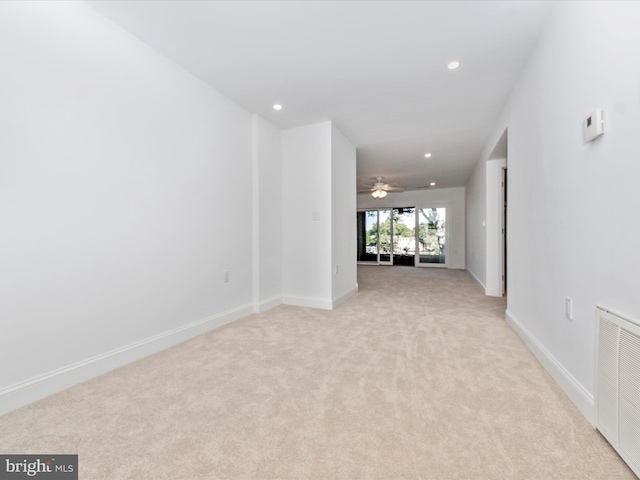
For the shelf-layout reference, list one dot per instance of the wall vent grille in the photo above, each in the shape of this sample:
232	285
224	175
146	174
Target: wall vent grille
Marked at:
618	384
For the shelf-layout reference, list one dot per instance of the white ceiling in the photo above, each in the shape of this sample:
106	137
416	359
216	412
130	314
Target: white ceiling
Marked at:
377	69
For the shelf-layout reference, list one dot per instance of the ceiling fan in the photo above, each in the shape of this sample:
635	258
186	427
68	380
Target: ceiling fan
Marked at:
379	189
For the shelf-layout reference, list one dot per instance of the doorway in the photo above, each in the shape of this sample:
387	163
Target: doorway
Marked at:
504	231
496	220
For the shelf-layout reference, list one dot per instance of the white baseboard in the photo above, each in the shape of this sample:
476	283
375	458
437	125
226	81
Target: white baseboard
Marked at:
317	302
340	300
267	304
29	391
307	302
473	275
492	292
489	292
574	389
456	266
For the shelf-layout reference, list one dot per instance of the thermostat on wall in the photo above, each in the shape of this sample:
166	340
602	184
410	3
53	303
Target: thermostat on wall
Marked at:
593	126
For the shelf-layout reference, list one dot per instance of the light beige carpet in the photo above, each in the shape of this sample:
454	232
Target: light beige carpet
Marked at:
418	376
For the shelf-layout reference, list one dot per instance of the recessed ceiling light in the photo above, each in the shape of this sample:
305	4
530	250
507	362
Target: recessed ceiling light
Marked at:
432	184
427	155
453	65
277	107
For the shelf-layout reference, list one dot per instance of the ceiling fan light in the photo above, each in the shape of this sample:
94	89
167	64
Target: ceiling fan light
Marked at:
378	194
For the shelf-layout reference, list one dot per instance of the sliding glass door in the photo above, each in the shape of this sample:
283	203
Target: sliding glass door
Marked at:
368	236
375	237
385	232
431	225
402	236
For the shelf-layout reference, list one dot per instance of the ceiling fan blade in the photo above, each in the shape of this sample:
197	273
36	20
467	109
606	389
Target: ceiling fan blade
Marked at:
388	187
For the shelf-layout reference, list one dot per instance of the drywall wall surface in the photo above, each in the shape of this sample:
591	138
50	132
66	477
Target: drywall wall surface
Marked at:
572	229
451	198
267	191
343	217
125	192
306	215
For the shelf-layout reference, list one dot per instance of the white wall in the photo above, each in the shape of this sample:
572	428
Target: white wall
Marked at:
343	217
573	207
267	208
476	232
125	192
318	180
306	190
452	198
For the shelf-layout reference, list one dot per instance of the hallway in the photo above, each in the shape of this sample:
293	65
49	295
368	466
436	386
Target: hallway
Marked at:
417	376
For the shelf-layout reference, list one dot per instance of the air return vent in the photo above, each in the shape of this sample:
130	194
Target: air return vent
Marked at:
618	384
